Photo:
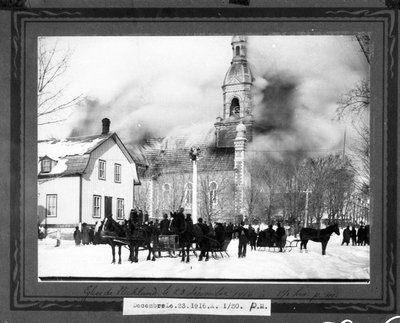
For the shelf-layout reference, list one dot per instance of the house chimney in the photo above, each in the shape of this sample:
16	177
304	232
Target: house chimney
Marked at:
106	126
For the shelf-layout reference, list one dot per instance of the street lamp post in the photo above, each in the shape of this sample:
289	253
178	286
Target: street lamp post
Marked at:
306	208
194	156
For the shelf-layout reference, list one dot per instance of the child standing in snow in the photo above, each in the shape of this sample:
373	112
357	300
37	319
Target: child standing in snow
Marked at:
58	237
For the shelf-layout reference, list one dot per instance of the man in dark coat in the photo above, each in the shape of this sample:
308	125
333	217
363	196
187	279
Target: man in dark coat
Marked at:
270	237
77	236
189	222
85	234
91	235
346	236
281	233
229	231
252	237
133	216
219	233
164	225
367	236
361	235
243	236
203	226
353	236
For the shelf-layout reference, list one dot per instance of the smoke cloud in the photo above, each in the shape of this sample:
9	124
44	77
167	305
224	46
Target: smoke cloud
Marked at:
172	85
298	82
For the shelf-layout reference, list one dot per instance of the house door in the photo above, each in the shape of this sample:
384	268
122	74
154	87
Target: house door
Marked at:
108	206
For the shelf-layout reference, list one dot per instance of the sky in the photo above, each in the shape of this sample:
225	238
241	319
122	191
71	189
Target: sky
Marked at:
149	86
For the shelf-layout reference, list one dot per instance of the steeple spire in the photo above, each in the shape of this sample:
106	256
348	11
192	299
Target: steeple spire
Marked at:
237	96
239	48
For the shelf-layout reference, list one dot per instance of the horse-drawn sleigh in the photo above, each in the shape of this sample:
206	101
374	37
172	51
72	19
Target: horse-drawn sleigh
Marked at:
204	239
269	239
130	235
183	240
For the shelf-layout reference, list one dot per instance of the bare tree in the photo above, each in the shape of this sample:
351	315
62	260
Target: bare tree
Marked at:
52	65
293	197
141	195
339	188
331	181
263	191
356	101
354	105
216	196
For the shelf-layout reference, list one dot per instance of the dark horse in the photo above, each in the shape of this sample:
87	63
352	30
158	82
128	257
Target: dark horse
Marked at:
186	232
110	231
190	233
322	236
140	236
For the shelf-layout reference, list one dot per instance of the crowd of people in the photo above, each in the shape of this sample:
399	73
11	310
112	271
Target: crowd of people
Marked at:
358	237
246	234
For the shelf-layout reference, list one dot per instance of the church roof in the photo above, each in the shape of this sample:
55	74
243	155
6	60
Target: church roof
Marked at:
238	73
171	154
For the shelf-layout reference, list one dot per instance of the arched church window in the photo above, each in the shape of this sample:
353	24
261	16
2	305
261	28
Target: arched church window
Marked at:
235	107
237	50
166	193
213	194
188	193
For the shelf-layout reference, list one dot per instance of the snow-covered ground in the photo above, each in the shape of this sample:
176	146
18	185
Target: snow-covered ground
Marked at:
340	262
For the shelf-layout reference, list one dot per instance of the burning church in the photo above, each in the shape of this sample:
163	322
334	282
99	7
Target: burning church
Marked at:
215	179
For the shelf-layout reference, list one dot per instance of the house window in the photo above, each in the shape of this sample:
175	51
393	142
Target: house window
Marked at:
96	206
51	205
237	50
120	209
189	193
213	193
46	165
117	173
102	169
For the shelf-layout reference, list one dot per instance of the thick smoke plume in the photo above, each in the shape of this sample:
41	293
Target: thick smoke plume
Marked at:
298	80
296	94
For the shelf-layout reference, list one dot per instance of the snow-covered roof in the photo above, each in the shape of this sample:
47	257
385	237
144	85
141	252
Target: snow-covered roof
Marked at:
57	149
71	155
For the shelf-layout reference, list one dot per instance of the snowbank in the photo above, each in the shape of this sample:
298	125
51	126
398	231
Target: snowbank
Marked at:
340	262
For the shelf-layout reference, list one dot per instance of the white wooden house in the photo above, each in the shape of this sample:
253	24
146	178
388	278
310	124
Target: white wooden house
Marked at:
82	179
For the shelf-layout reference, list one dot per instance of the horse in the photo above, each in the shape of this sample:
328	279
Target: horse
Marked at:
140	236
109	231
190	233
206	239
322	236
186	232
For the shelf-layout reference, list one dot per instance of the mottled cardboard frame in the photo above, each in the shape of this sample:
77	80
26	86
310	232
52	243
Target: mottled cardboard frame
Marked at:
295	301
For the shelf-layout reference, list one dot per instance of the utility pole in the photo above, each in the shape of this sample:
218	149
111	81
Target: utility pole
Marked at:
194	199
306	209
194	156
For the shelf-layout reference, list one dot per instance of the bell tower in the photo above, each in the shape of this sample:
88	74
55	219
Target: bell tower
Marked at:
237	96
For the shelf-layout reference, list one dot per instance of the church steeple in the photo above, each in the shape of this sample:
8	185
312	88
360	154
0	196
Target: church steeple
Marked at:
239	48
237	84
237	95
